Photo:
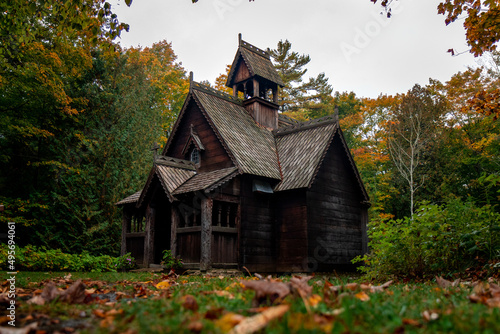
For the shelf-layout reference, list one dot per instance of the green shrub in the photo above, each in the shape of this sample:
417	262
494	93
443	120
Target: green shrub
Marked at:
170	261
440	240
32	258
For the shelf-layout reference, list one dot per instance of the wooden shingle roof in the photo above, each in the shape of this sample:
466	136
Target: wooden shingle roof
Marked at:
258	63
171	177
171	173
301	148
207	181
251	146
130	199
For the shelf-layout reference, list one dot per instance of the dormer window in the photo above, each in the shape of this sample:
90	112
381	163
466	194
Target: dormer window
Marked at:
195	156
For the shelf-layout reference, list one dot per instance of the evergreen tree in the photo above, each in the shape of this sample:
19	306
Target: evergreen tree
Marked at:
299	95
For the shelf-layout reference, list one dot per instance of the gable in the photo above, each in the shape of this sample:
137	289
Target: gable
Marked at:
169	173
241	72
256	62
303	148
193	130
338	169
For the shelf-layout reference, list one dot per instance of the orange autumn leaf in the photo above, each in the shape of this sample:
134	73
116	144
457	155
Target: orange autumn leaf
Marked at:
362	296
163	285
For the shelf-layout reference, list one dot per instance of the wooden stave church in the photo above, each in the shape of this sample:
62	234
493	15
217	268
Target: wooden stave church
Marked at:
240	185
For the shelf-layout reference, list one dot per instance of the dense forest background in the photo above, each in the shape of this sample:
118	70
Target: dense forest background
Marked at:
79	115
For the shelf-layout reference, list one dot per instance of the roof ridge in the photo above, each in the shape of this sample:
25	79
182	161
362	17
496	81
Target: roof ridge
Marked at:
212	91
174	162
326	120
254	49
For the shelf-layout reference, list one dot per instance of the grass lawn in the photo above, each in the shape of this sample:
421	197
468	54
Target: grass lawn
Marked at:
159	303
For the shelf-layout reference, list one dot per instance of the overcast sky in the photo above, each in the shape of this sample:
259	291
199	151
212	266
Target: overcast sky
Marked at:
359	49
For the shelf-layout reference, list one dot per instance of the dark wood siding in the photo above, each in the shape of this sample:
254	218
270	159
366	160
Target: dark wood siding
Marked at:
257	233
263	114
292	231
242	72
335	212
189	246
214	156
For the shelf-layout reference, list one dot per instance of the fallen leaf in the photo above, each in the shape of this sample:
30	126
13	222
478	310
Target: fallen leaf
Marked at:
380	288
444	284
195	326
113	312
493	302
300	284
23	330
411	322
214	313
335	288
99	313
267	291
362	296
430	315
37	300
228	321
314	300
190	303
352	286
75	294
302	322
259	321
163	285
335	312
220	293
495	290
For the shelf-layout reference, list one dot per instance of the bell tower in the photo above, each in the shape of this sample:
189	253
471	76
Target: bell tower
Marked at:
253	74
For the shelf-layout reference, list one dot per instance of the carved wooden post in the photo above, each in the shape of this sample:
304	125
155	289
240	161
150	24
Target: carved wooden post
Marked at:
206	233
275	94
256	87
126	219
149	251
173	230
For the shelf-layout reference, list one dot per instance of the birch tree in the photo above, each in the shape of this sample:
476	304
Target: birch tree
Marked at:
412	128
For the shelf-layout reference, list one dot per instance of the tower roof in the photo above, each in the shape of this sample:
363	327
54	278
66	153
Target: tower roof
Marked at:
257	61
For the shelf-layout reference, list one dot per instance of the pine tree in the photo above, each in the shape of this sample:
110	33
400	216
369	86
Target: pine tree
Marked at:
299	95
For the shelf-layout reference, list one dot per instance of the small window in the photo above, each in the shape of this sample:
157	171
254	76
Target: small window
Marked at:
195	156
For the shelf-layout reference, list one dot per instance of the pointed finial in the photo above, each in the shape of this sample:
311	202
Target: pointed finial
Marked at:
191	76
239	38
336	113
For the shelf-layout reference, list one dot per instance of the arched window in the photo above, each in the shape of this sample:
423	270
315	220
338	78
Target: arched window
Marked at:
195	156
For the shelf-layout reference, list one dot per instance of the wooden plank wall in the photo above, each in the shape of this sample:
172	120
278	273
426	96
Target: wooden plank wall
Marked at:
242	72
257	233
189	247
224	248
215	156
263	114
335	212
292	231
